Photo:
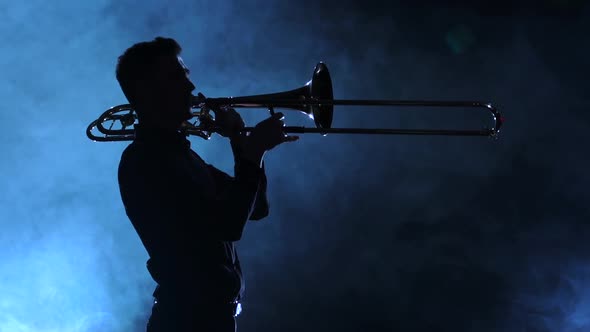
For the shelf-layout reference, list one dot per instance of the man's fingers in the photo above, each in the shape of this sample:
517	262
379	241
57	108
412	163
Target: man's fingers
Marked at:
289	138
278	116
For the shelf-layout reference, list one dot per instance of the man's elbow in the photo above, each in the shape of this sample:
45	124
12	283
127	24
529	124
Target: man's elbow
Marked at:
260	212
232	231
233	235
259	216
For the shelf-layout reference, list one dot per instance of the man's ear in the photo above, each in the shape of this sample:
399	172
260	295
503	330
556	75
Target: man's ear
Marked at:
143	93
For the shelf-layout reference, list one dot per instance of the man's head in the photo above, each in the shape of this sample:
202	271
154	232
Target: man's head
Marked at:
155	81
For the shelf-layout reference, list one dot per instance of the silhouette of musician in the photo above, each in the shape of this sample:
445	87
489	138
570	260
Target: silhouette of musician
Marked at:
187	213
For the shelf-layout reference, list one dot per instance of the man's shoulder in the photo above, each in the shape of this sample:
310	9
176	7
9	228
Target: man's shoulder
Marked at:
131	152
135	154
138	151
146	157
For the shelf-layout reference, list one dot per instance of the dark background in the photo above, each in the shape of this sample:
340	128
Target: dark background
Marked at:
366	233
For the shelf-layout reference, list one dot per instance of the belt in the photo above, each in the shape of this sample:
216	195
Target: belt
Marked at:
235	307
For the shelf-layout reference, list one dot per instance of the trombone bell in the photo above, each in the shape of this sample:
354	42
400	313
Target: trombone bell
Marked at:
302	99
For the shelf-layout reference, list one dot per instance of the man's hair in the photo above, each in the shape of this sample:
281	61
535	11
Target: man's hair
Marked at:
138	62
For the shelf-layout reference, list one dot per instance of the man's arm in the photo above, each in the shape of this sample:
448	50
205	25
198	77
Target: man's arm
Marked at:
243	192
260	209
261	206
237	199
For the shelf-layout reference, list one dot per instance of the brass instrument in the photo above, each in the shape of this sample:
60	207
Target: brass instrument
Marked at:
315	99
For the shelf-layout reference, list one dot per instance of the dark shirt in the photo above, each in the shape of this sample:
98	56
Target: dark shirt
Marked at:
188	213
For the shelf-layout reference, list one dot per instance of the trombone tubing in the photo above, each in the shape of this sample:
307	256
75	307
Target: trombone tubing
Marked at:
387	131
128	134
261	102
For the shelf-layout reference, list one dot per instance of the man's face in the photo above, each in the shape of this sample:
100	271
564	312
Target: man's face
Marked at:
174	89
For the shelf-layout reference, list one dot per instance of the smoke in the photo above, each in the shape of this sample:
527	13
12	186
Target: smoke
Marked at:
365	232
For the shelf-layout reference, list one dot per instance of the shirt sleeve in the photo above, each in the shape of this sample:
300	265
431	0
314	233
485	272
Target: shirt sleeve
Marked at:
261	206
247	170
238	199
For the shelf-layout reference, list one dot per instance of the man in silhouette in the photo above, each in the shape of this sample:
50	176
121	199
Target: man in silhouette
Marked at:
187	213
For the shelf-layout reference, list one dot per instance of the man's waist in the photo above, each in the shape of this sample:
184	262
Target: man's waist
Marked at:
193	295
163	267
164	296
208	281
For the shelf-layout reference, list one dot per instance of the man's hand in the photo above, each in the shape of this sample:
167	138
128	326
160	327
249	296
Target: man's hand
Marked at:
269	133
228	122
266	135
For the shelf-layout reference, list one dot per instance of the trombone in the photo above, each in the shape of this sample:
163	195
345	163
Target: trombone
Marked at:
315	99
